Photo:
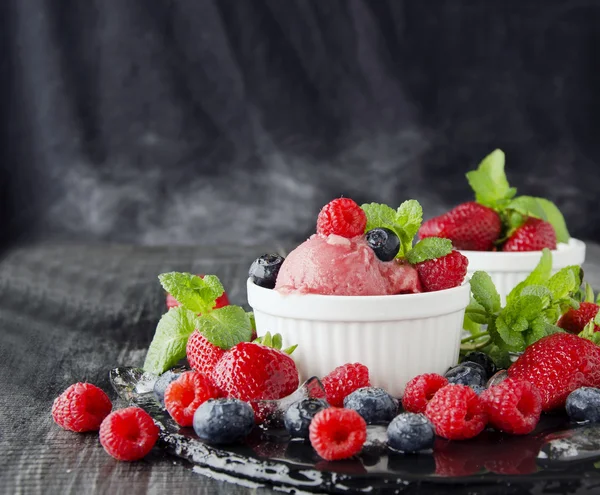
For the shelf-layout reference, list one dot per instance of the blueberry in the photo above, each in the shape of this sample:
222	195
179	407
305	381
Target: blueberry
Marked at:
223	421
482	359
298	416
410	432
583	404
384	242
264	270
478	389
161	384
375	405
467	374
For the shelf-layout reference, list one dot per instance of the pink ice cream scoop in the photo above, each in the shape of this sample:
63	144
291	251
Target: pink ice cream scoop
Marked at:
336	265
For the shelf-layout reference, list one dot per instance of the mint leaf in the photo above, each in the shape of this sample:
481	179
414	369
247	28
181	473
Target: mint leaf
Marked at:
513	340
539	276
542	208
470	326
250	315
170	339
225	327
489	181
193	292
565	282
484	292
404	222
409	217
429	248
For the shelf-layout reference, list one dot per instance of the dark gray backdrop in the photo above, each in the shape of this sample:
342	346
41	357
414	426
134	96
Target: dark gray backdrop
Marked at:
208	121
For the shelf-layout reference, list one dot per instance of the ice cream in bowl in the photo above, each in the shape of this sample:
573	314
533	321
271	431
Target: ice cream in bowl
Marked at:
359	291
503	233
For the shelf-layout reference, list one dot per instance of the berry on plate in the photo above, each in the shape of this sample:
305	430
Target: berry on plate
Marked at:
81	407
533	235
456	412
337	433
186	394
128	434
223	421
513	406
467	373
556	365
583	404
375	405
201	354
443	273
470	226
298	416
574	320
162	383
384	242
344	380
264	270
251	371
341	217
410	432
420	390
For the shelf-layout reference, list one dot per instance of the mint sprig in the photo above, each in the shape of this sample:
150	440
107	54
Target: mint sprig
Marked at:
491	188
532	309
225	327
405	223
198	294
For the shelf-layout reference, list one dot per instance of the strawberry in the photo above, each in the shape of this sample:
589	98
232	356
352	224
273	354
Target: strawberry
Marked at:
250	371
201	354
443	273
558	364
533	235
574	320
470	226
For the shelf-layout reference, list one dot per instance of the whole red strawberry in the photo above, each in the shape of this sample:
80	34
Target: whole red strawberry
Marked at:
201	354
341	217
250	371
574	320
533	235
556	365
443	273
470	226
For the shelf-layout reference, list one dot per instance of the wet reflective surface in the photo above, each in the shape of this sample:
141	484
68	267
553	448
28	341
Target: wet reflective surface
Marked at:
556	457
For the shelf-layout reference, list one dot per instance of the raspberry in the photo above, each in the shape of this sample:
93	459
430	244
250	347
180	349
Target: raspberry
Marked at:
513	406
457	413
443	273
81	407
420	390
574	320
186	394
341	217
533	235
337	433
201	354
128	434
344	380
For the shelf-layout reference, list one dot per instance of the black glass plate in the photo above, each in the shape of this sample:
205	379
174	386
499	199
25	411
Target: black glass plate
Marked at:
558	457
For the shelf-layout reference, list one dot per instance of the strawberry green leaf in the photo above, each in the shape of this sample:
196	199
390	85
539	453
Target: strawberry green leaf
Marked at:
429	248
484	292
170	339
193	292
541	208
225	327
589	333
489	181
589	293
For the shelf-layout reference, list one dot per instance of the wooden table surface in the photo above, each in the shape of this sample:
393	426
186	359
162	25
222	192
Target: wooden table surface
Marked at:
70	313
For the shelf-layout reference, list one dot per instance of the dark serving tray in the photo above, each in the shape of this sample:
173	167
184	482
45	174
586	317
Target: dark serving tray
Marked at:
558	457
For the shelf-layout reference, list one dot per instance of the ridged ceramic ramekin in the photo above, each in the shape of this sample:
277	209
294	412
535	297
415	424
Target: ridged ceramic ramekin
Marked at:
507	269
396	337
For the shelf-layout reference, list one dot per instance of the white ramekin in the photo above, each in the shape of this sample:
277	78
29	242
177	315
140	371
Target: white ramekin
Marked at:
510	268
396	337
